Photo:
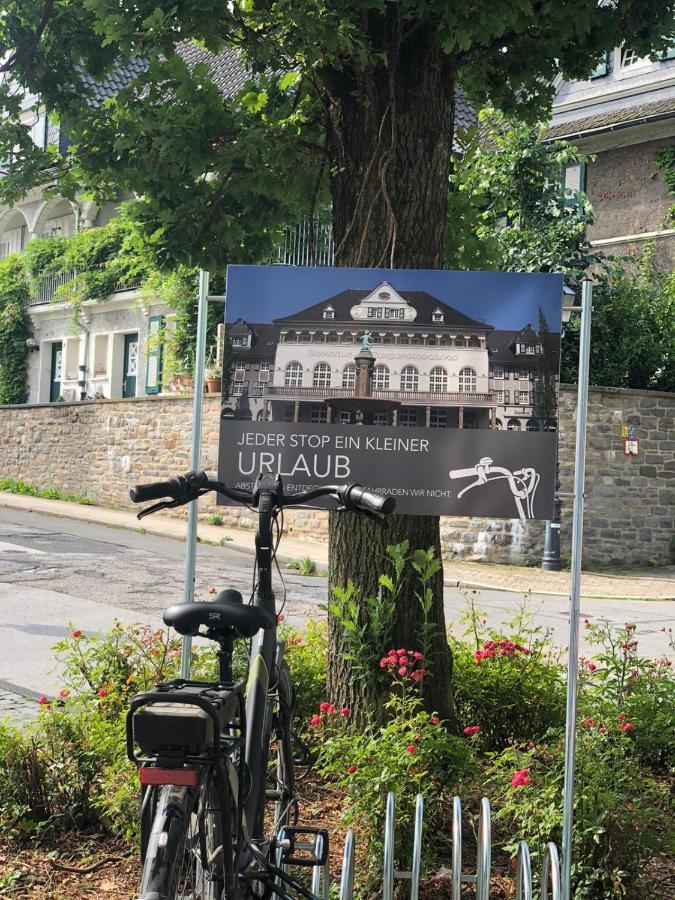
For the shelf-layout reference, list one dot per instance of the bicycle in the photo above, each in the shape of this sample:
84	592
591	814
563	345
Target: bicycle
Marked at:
204	748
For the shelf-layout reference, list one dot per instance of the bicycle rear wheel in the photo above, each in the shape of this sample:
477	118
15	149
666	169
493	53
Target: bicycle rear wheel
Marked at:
281	774
185	853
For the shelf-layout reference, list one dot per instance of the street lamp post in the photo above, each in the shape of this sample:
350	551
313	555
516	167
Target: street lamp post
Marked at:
551	561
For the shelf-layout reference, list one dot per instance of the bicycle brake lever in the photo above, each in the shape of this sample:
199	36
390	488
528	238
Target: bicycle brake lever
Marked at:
149	510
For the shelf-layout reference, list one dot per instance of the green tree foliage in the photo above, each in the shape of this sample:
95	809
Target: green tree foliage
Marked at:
633	328
14	330
508	209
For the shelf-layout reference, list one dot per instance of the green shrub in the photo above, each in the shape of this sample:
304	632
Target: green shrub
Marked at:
215	520
306	654
620	813
508	684
15	330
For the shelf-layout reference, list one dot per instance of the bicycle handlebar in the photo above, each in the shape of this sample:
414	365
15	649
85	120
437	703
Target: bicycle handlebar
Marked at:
183	489
463	473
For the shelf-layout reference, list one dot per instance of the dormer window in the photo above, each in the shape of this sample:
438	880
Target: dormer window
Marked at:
329	313
241	340
437	316
384	295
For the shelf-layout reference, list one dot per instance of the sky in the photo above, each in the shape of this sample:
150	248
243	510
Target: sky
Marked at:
505	300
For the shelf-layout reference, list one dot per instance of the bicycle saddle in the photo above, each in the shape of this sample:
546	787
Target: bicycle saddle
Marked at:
226	613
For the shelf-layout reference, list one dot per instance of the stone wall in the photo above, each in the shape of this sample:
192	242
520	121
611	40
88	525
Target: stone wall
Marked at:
103	448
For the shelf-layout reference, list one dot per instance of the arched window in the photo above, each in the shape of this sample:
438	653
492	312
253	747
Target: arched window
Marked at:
381	378
409	378
474	341
305	337
293	375
318	337
417	340
438	379
332	337
445	340
290	337
551	425
467	380
321	377
513	425
532	425
346	337
349	377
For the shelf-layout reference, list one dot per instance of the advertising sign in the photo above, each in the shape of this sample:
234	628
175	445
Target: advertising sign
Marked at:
439	388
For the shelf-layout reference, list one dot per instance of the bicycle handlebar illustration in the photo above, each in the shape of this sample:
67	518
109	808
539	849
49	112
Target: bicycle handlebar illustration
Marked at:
523	483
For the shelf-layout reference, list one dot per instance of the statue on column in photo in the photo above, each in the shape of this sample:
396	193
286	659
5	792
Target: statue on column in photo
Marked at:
365	363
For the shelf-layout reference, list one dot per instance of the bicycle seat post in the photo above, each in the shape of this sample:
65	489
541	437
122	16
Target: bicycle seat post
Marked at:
224	654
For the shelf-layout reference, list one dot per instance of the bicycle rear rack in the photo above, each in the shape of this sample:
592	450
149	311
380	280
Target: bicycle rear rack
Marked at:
550	870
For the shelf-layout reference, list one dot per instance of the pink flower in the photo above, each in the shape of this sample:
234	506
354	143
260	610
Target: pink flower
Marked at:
43	701
103	693
592	667
315	721
417	655
324	707
602	729
212	590
627	727
296	639
587	624
402	670
410	748
280	618
589	722
352	769
471	730
384	662
521	778
400	652
345	711
419	674
435	720
77	633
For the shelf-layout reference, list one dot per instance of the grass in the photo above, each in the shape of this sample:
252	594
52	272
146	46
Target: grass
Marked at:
215	520
12	486
304	566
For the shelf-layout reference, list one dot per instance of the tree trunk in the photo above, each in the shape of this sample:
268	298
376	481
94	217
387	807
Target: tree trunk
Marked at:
389	145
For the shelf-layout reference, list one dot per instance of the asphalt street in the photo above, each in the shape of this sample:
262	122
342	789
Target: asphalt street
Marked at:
57	574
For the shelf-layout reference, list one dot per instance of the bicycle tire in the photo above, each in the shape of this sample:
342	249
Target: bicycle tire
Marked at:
283	770
181	862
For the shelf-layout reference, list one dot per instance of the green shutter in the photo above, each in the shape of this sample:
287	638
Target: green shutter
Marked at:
601	69
153	372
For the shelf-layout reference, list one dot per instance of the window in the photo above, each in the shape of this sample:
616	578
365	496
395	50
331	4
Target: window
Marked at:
381	378
319	414
513	425
417	340
523	398
264	371
408	418
529	349
394	313
257	389
374	312
239	369
384	295
321	377
500	397
507	373
409	378
329	313
437	316
305	337
438	419
601	69
507	397
349	377
532	425
550	425
438	379
629	57
379	418
332	337
345	417
467	380
498	371
241	340
289	337
289	410
524	374
293	375
238	388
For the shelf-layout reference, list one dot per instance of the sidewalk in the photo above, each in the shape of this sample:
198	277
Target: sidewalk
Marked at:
642	584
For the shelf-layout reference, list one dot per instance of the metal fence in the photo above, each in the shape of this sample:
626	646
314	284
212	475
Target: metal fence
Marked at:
48	285
308	244
550	883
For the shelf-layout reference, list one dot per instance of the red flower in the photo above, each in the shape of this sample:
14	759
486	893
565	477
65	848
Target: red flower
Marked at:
76	633
384	662
417	655
296	639
589	722
402	670
352	769
324	707
435	720
627	727
401	652
212	590
602	729
471	730
410	748
43	700
314	721
622	716
103	693
521	778
419	674
345	711
280	617
592	667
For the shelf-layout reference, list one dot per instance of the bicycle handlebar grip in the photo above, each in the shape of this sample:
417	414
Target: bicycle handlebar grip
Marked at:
156	490
366	501
463	473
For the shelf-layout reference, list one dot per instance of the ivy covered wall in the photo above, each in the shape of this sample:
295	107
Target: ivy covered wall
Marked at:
15	329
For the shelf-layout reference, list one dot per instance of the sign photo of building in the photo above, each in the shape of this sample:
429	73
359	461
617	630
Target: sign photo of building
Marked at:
384	356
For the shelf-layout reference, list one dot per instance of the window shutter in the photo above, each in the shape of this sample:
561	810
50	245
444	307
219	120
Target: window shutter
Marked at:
153	372
601	69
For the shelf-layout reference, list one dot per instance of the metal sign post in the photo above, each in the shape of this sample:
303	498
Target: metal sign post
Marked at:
575	585
191	537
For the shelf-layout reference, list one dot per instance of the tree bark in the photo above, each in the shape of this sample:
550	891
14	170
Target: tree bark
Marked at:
389	143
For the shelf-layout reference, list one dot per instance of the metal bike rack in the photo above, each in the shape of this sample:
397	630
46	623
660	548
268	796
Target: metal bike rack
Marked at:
550	873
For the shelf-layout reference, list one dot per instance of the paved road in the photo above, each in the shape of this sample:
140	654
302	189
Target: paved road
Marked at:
54	572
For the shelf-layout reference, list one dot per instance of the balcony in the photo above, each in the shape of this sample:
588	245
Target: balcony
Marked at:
48	286
434	398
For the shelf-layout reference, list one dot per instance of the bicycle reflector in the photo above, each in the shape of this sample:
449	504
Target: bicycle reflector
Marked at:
182	777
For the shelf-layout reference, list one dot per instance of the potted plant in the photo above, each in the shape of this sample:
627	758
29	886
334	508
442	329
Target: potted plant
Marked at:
214	378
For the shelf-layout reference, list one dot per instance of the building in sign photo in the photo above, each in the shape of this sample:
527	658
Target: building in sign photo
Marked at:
396	357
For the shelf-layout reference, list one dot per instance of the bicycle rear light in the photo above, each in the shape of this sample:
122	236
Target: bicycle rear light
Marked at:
181	777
